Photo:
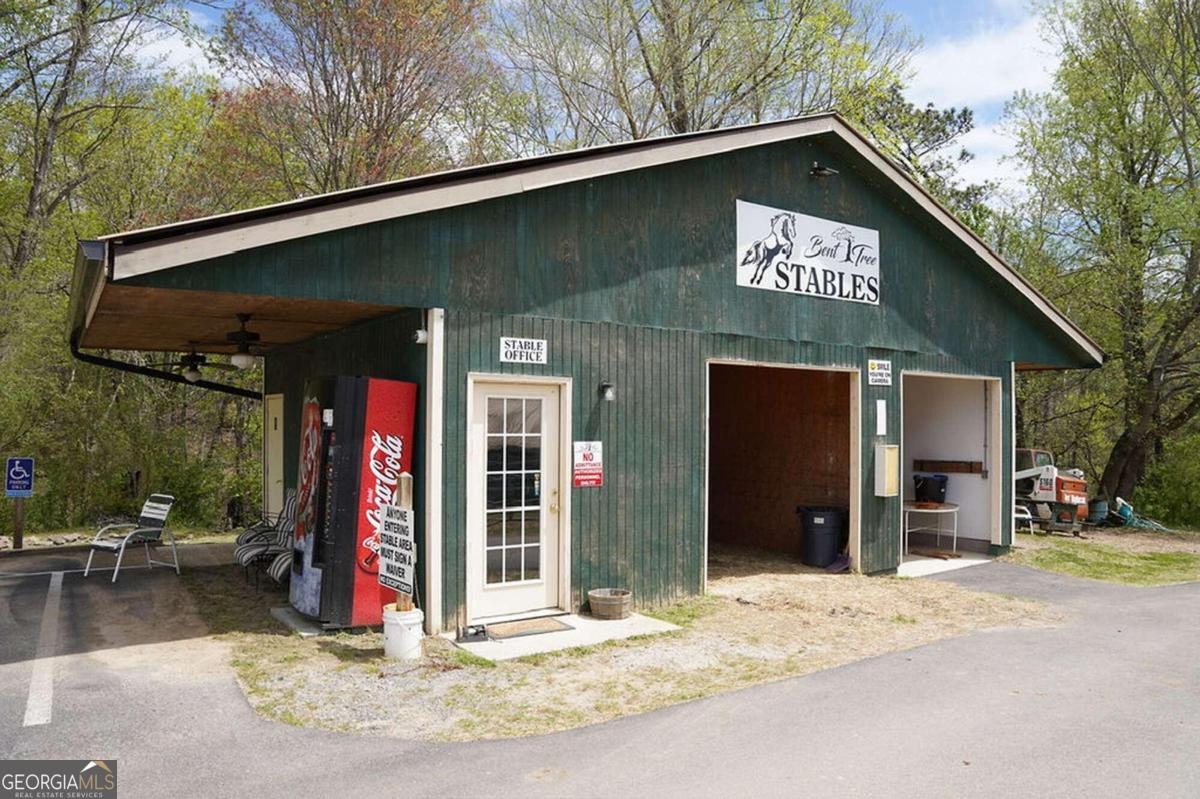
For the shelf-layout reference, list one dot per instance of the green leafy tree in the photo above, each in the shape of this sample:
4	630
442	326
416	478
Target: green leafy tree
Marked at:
1114	169
925	142
94	137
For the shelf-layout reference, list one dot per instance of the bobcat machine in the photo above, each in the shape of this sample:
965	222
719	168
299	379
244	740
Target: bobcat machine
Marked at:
1055	500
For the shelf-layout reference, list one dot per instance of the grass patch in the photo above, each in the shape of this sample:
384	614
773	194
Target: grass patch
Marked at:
1100	562
469	659
900	618
687	612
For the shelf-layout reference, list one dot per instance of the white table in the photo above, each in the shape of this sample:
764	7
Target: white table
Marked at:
943	509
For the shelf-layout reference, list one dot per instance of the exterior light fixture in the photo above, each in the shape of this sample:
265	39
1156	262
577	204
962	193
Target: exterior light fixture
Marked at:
421	336
191	374
608	392
819	171
243	338
242	360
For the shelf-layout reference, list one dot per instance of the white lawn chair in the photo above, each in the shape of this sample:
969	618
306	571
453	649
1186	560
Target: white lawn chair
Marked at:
1021	515
148	529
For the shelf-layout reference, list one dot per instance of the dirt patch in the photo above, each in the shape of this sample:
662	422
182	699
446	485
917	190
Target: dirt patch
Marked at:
765	618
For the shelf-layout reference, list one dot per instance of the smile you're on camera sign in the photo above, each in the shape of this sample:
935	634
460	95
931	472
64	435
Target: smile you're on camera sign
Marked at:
787	251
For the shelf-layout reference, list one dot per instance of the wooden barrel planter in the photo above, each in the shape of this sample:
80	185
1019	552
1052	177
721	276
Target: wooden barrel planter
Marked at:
610	603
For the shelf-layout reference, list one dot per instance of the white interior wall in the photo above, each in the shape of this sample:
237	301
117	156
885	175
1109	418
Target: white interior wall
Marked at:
945	419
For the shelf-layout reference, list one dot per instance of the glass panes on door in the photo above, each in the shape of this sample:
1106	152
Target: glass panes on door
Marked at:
514	489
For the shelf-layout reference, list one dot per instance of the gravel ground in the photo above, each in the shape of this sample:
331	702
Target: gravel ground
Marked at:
765	618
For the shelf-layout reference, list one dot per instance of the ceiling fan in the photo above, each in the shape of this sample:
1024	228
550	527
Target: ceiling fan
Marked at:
243	339
189	364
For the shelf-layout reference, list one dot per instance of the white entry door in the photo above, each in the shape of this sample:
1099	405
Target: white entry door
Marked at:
513	524
272	454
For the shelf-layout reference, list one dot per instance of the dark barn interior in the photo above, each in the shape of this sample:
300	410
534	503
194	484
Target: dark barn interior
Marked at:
778	438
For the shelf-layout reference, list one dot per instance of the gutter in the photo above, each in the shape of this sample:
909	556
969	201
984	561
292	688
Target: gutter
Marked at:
146	371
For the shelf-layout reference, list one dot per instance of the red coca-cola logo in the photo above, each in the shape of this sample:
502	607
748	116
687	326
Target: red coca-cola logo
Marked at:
384	462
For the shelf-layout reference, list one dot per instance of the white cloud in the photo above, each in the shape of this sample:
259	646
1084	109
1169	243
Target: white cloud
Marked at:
173	50
983	68
989	144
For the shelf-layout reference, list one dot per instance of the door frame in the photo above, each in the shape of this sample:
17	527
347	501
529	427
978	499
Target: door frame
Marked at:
856	478
268	399
566	436
995	447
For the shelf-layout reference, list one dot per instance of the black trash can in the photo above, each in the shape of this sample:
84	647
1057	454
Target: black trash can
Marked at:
821	534
930	487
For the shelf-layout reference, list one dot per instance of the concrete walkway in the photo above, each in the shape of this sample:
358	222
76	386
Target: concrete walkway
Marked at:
1108	704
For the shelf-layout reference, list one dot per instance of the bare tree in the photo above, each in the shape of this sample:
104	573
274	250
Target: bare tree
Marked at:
596	71
334	95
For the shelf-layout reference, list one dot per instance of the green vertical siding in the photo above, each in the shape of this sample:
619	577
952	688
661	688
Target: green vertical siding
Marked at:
656	247
644	529
631	279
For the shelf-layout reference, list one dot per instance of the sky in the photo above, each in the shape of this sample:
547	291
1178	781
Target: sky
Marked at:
976	53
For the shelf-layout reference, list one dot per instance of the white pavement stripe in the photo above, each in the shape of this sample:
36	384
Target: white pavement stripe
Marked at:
41	685
95	570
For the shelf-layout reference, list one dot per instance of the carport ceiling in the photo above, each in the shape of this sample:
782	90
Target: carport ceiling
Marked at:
139	318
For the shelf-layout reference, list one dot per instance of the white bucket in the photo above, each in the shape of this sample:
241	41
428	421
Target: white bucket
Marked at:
402	633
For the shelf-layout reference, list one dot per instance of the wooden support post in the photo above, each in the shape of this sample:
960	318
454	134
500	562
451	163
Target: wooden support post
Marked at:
19	523
404	499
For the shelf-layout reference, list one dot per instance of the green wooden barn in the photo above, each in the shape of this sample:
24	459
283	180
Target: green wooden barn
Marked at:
678	341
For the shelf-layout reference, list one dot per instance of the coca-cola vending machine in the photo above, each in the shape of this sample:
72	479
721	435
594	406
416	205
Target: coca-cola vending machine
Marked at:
355	441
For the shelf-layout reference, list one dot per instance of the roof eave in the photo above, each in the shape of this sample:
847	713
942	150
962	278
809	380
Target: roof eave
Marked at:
140	252
87	282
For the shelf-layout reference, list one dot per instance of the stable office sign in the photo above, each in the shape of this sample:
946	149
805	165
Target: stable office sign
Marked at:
522	350
790	252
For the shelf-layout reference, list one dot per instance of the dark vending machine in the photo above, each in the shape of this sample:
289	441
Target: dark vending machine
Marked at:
355	441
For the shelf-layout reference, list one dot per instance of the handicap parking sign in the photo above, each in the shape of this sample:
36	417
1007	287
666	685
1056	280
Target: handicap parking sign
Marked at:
18	477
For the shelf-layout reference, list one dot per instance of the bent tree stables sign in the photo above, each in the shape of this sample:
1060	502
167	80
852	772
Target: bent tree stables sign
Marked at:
786	251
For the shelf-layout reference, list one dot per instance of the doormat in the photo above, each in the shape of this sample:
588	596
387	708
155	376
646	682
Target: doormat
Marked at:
516	629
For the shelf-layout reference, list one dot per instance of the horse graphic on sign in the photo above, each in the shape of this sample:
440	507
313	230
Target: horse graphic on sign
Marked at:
778	244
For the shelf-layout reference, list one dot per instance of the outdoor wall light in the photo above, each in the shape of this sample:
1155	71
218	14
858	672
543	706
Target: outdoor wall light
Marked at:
819	171
421	336
608	392
191	374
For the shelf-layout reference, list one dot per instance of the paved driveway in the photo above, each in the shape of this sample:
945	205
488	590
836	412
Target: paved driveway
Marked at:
1108	704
